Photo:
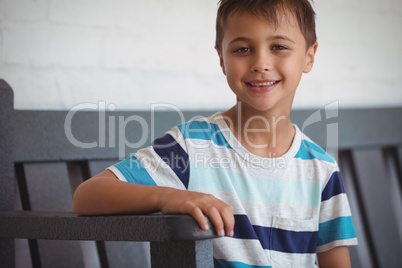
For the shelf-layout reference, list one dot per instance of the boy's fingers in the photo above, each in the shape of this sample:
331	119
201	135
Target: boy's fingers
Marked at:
216	220
200	218
228	220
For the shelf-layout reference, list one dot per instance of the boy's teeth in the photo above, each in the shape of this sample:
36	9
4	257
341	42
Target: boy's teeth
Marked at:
262	84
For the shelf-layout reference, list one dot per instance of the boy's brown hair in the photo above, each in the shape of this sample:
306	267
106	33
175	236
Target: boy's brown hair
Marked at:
271	11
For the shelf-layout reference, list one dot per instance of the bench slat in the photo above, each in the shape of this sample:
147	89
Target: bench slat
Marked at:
49	190
375	188
361	255
48	186
116	252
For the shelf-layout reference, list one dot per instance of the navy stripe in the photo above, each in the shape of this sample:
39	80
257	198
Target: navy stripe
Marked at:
333	187
243	228
275	238
174	156
294	242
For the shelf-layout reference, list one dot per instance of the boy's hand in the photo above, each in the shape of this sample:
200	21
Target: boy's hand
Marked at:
197	204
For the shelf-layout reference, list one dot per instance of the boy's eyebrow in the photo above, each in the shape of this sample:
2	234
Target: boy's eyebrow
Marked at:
240	39
283	37
275	37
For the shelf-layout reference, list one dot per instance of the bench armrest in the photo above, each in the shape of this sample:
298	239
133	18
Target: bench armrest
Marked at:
70	226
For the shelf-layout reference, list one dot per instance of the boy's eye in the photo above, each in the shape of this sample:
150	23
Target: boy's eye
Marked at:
278	47
243	50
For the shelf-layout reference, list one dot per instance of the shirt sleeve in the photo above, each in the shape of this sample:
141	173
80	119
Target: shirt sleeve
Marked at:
164	163
335	225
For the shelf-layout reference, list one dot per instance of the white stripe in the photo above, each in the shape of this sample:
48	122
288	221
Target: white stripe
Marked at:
160	172
260	213
337	206
247	251
283	259
178	137
251	252
292	224
337	243
117	173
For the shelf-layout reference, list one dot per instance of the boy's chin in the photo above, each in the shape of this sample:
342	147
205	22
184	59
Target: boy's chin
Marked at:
266	107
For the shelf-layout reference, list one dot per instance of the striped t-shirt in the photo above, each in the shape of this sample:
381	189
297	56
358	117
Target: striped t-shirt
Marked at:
286	208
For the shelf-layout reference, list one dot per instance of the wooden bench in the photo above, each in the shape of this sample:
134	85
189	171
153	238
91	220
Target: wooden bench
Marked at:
39	154
47	168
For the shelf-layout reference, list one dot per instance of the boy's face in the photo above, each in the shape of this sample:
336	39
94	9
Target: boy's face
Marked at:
264	64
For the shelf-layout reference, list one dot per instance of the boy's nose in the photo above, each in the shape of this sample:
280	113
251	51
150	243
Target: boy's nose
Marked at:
261	64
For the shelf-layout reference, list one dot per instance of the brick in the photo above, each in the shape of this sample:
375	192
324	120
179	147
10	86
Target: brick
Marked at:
380	31
15	42
33	89
119	51
81	12
118	87
46	46
338	32
23	10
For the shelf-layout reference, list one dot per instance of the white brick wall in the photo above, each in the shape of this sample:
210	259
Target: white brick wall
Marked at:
56	54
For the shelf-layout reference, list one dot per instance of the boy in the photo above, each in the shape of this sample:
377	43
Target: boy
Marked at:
276	195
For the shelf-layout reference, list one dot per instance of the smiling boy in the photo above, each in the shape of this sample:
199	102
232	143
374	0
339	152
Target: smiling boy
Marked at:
273	215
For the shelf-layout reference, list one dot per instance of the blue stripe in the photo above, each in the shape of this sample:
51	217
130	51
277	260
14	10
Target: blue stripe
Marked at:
309	150
337	229
219	263
134	172
275	238
174	156
333	187
204	131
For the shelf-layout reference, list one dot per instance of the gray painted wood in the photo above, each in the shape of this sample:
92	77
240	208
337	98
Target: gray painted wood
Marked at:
362	254
22	253
122	254
48	127
98	166
6	166
375	188
49	190
182	254
89	248
48	186
393	168
69	226
376	127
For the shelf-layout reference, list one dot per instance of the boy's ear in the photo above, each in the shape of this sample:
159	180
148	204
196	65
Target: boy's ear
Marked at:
310	58
221	61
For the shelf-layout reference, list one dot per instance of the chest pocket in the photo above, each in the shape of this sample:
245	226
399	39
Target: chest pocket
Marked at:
293	242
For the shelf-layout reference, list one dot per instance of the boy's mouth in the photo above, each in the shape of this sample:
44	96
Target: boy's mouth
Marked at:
262	84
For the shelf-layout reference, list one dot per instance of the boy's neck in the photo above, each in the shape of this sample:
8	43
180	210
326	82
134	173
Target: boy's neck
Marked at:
266	134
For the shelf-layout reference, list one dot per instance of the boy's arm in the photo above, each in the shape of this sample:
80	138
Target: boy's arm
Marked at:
337	257
105	194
